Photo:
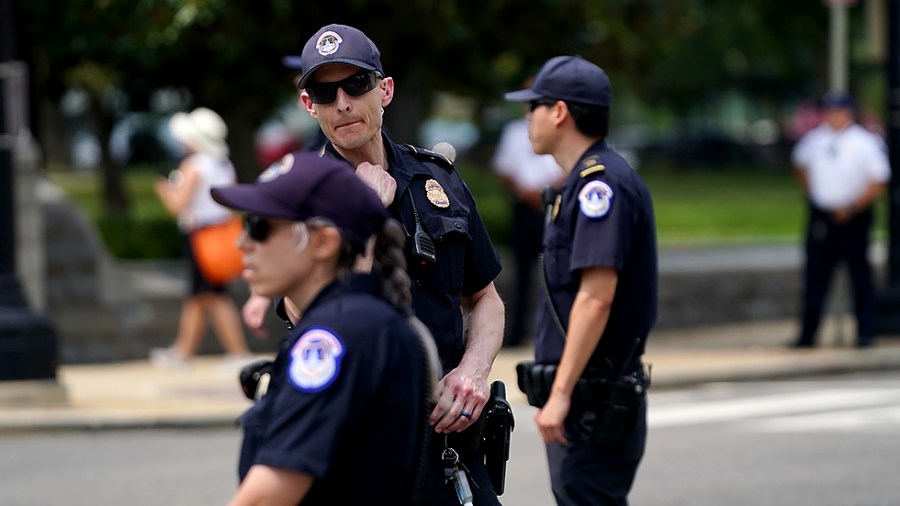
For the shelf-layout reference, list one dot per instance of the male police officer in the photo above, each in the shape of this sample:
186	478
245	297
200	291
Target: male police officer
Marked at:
450	257
600	270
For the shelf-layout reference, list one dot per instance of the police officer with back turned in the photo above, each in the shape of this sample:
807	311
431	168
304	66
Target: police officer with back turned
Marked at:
599	271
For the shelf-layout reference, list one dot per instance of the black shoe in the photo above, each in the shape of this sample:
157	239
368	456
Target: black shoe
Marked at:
864	343
799	345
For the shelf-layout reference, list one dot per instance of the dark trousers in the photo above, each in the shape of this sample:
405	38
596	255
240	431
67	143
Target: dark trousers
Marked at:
527	233
582	474
827	244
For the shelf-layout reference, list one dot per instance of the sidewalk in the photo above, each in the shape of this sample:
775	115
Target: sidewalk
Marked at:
134	394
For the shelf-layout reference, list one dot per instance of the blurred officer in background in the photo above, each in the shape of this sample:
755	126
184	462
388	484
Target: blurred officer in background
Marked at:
600	270
354	380
843	169
524	174
450	258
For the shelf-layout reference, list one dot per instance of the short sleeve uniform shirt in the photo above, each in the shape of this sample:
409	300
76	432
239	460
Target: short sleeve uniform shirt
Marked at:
345	395
603	218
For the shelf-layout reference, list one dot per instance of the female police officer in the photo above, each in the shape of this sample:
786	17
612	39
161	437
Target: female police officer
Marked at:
599	264
352	384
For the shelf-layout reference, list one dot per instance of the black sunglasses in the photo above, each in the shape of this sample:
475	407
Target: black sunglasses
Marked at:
534	104
356	85
257	227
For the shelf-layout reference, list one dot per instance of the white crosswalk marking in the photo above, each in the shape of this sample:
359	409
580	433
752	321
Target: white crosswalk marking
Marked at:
815	409
867	420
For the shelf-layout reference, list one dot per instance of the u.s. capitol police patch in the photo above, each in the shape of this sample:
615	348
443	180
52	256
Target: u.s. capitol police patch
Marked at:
315	360
595	199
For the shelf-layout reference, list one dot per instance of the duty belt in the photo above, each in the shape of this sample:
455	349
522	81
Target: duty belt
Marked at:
592	389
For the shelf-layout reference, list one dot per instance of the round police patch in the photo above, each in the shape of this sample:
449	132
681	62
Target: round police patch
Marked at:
315	360
596	199
278	168
328	43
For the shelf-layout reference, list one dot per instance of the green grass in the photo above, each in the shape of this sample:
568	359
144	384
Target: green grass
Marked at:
725	206
697	206
693	207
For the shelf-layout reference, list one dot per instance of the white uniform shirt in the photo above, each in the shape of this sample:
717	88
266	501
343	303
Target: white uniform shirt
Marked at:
202	210
515	158
839	165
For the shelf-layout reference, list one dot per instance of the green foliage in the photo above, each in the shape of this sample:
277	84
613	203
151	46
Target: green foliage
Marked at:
140	239
491	198
703	206
148	232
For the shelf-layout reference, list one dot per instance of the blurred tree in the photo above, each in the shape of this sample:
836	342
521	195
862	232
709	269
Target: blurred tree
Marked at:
227	53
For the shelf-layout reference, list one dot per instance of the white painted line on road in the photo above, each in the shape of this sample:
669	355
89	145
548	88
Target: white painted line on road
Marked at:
769	405
887	418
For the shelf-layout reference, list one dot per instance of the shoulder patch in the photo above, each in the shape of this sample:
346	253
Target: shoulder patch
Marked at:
428	156
595	199
315	360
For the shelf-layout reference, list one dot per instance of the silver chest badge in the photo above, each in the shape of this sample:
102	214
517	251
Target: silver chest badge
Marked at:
436	195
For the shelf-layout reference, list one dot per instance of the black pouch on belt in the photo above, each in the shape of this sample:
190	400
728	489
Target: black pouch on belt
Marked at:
535	380
616	403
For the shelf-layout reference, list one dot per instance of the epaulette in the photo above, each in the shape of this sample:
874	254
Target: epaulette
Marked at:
428	156
591	165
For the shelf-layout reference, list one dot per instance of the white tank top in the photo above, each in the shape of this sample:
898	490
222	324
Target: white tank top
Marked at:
202	210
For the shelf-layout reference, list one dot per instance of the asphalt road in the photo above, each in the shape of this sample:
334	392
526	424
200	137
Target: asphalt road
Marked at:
827	441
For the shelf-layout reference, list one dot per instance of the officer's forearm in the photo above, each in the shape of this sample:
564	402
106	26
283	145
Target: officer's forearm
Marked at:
587	321
484	314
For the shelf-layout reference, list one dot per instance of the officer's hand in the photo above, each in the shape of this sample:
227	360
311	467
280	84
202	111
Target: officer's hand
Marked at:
379	180
550	419
254	314
842	215
461	392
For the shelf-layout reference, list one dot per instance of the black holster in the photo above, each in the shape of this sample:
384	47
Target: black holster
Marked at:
498	427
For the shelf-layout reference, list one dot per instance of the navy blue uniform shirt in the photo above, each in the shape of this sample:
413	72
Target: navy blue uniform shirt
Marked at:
345	400
466	259
604	218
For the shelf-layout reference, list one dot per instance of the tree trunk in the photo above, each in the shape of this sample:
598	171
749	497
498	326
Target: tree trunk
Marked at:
115	198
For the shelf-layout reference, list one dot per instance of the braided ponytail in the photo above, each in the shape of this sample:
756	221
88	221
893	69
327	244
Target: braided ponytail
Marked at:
389	264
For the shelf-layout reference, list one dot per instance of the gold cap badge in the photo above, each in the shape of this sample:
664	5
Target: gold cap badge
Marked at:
435	193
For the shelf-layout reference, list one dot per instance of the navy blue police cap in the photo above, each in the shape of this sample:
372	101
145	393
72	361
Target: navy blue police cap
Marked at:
338	44
304	185
837	100
570	79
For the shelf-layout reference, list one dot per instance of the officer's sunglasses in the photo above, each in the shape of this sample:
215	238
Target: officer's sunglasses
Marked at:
356	85
534	104
257	227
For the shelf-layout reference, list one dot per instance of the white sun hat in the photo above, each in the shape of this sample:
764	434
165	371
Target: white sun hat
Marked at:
201	130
